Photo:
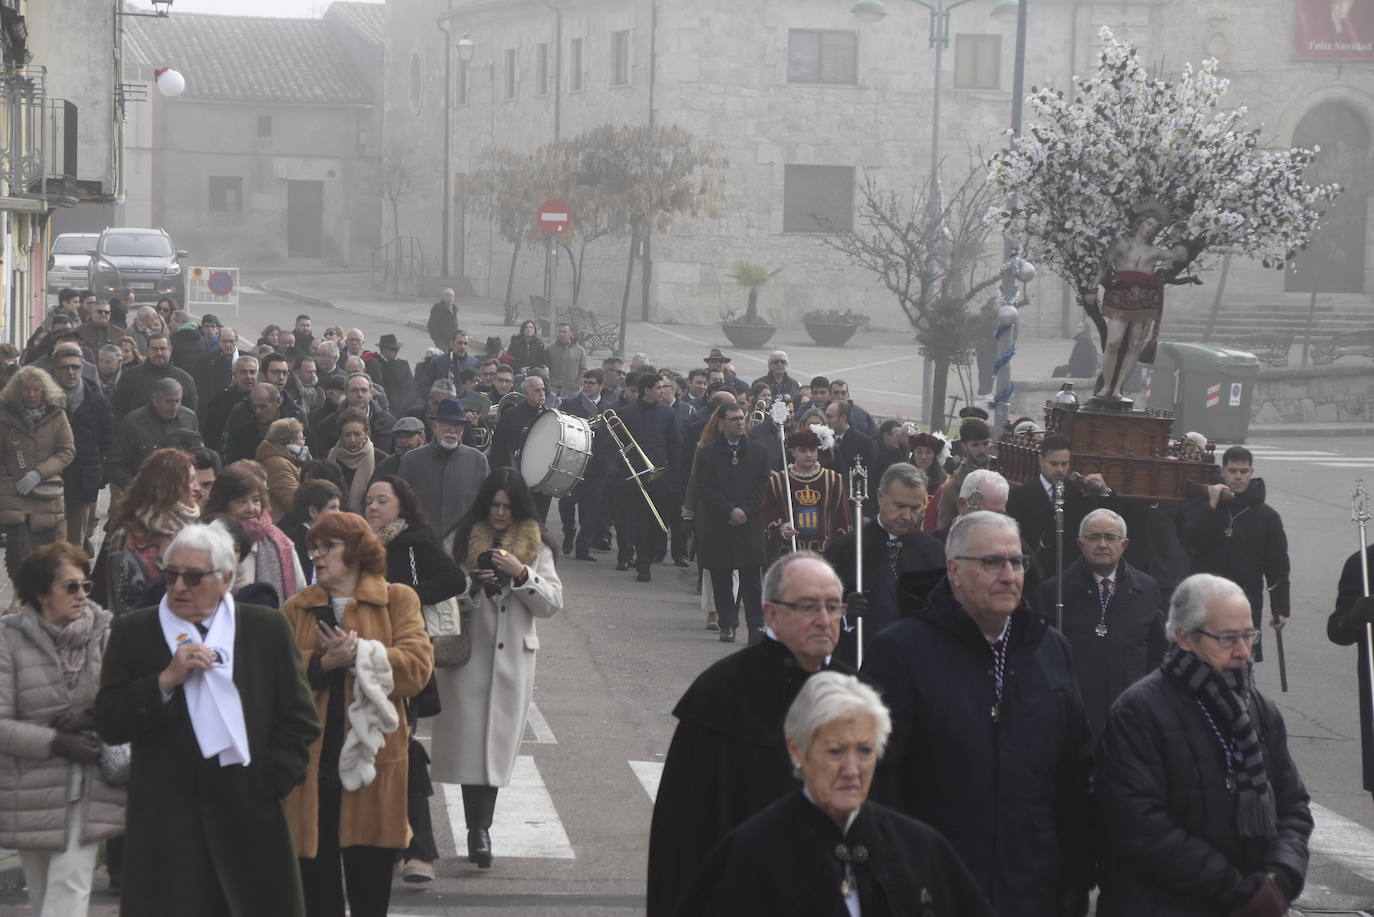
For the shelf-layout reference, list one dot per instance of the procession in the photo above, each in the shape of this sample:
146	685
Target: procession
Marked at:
553	479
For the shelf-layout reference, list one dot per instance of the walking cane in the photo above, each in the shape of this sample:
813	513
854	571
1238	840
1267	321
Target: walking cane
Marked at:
858	493
1359	514
779	412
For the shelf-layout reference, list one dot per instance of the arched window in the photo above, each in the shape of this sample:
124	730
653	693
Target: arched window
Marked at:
1334	261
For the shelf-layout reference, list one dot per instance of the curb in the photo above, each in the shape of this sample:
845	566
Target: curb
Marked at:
1280	431
272	287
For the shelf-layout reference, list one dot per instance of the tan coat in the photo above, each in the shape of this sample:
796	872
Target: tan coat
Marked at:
49	448
373	815
283	477
33	781
478	731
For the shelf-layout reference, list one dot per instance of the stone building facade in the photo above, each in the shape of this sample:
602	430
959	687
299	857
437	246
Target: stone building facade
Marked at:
801	99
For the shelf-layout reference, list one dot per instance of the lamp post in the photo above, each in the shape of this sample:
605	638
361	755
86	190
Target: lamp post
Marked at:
1014	269
161	10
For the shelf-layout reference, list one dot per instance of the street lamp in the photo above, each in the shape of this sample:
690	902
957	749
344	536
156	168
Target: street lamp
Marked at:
161	10
170	83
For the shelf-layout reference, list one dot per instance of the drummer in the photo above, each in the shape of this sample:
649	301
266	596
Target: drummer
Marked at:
513	427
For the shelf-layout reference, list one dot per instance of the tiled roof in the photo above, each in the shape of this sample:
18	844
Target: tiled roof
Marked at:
256	58
367	19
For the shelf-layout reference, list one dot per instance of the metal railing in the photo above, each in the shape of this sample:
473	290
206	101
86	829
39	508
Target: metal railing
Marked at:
60	139
399	266
23	167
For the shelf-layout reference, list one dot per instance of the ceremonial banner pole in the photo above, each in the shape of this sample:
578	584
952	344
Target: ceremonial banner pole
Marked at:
1059	555
1359	514
779	413
858	493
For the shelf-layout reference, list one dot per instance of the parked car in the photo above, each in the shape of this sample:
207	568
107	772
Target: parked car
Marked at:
69	265
143	260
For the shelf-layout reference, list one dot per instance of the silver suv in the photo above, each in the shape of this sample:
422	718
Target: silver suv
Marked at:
143	260
69	265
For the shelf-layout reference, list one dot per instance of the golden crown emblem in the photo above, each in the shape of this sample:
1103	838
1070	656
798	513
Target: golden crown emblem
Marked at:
808	497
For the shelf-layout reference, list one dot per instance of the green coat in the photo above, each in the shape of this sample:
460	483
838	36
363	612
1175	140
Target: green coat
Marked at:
185	812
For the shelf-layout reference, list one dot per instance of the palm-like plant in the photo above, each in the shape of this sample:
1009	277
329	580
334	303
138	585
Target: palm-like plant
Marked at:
752	277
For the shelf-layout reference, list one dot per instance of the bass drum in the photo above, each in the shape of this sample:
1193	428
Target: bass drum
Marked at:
556	453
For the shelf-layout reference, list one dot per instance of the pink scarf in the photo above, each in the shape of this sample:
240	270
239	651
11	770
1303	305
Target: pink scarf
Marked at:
261	529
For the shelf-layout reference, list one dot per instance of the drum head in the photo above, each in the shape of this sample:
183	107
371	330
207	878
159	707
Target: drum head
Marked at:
540	448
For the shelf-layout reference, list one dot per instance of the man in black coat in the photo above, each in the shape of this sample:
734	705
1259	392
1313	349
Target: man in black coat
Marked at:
1031	503
136	382
392	373
207	835
990	743
587	498
214	417
443	320
729	480
92	422
654	426
728	759
1345	627
850	444
893	545
1233	533
214	372
1113	615
1202	810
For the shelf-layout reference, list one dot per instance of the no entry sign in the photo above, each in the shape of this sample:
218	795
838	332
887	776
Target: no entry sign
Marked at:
554	216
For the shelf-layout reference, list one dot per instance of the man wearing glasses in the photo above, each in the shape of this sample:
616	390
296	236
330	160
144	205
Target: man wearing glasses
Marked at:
1202	809
1113	615
990	743
98	332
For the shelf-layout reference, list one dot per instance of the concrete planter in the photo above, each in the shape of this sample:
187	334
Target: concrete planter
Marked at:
748	337
829	334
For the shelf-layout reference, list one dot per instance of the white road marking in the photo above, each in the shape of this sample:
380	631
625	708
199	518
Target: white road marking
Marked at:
526	823
1347	842
537	728
649	774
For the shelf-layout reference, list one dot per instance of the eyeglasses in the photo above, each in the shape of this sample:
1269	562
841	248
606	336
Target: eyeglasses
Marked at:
784	362
101	311
192	577
1108	537
319	550
993	563
73	586
810	608
1231	641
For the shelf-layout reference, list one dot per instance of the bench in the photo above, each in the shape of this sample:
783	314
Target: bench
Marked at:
589	331
1343	344
1270	349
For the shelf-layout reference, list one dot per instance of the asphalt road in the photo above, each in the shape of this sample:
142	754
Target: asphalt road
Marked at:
571	837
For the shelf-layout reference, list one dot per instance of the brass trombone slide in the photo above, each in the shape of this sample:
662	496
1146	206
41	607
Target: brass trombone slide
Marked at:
630	453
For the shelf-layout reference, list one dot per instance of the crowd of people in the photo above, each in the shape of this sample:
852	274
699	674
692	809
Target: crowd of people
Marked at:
221	678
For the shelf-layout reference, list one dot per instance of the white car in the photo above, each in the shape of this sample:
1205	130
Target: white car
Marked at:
69	264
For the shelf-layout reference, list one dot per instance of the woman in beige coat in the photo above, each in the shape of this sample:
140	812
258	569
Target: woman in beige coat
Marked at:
281	454
501	547
35	445
55	807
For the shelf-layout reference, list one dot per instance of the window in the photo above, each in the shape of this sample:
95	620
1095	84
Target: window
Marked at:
822	57
510	74
541	68
575	65
817	198
460	90
977	61
264	125
620	58
226	193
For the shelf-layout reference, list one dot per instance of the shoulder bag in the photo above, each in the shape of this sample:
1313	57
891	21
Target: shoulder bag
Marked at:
444	624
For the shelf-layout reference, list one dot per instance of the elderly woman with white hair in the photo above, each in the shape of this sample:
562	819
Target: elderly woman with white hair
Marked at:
827	850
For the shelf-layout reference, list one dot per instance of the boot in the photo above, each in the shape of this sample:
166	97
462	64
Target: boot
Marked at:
479	848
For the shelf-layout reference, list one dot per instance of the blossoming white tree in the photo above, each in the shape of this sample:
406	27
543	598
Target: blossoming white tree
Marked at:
1126	137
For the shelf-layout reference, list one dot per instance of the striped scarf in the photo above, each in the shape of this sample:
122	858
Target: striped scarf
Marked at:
1225	695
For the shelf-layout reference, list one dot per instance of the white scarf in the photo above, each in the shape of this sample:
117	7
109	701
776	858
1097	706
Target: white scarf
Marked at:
211	696
371	717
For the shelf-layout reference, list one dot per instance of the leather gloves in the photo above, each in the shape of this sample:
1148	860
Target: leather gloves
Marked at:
78	748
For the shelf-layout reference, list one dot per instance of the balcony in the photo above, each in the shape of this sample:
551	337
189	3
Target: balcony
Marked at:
23	166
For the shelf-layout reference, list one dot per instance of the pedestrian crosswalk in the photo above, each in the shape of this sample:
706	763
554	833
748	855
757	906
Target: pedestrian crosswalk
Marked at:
526	824
1324	458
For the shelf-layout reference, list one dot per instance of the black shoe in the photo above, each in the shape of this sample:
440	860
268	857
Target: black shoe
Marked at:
727	634
643	577
569	542
681	562
479	848
602	544
584	555
622	565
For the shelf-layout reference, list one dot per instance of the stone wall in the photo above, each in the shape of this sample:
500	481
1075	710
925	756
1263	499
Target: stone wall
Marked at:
1331	394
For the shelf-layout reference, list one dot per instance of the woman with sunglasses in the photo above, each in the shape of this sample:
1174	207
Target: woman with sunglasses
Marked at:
157	505
55	806
349	818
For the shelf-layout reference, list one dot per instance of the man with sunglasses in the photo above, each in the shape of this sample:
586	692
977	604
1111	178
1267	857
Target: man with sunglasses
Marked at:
1113	615
1202	808
777	379
990	743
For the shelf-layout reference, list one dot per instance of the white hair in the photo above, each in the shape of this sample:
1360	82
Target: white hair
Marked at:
984	481
829	696
1188	607
213	538
961	532
778	355
1102	513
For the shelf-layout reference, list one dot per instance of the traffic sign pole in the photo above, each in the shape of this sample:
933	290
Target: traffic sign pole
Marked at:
555	217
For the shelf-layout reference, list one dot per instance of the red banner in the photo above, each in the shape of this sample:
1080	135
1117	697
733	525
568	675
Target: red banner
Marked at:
1341	30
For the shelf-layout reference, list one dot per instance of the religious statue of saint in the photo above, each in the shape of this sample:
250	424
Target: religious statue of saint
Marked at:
1133	298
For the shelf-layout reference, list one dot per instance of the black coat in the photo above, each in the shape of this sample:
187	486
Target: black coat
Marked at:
434	577
215	418
527	352
136	385
721	487
1029	504
1344	629
1104	667
854	445
196	828
1012	795
188	348
442	324
1253	556
213	373
512	429
93	430
1169	846
656	429
728	760
395	378
782	861
919	552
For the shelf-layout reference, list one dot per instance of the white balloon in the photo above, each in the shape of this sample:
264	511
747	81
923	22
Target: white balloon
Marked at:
1026	272
170	82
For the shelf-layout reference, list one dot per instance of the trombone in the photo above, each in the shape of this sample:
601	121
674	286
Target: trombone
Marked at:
636	461
761	412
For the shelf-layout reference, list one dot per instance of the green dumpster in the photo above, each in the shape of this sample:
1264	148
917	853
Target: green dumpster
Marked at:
1208	388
